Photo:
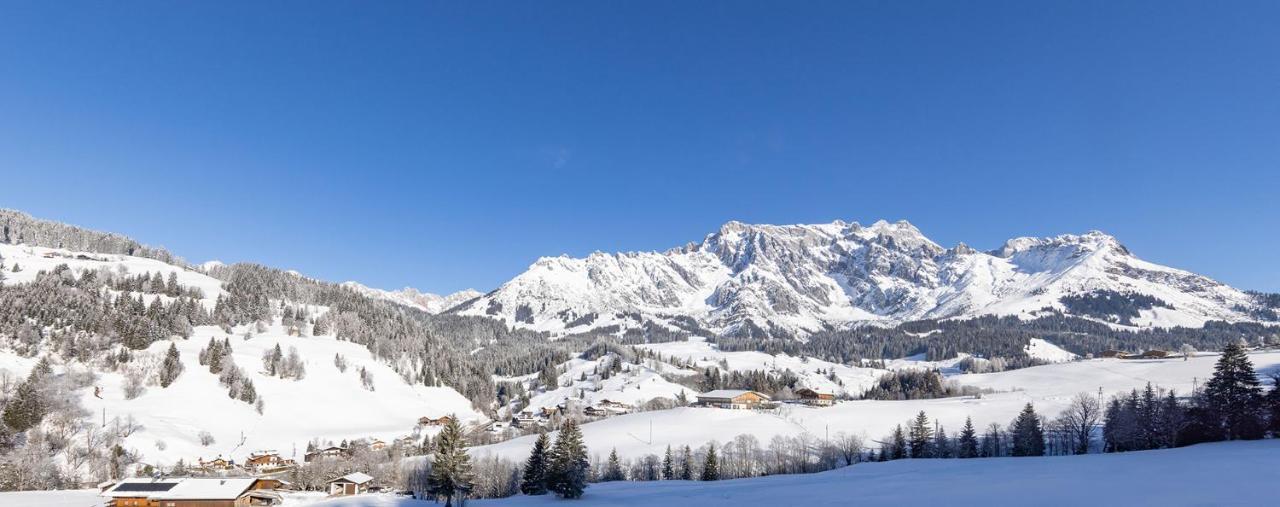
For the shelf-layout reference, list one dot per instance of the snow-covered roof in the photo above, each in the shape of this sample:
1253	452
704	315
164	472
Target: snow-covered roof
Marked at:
181	488
209	489
355	478
728	393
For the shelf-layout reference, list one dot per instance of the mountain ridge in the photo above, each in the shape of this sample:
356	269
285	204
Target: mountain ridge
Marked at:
799	279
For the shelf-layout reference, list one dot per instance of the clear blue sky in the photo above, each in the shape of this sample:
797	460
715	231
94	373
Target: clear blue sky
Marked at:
447	146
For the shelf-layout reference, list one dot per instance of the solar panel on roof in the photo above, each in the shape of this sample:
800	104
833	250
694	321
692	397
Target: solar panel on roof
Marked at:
145	486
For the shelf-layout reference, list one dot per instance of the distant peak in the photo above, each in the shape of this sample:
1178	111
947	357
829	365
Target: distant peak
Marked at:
1093	239
962	249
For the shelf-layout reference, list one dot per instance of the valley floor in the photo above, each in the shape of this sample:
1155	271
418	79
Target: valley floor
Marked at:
1050	388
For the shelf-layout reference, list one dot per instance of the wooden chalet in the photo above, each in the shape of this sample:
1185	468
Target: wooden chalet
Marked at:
350	484
525	419
266	460
440	421
192	492
592	411
377	445
216	464
811	397
734	399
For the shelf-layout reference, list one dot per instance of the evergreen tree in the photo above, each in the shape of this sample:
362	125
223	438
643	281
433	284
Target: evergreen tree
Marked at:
668	470
1233	396
686	465
567	475
968	447
711	468
941	444
25	409
534	481
1028	433
171	368
247	392
1148	419
898	450
450	476
613	468
921	434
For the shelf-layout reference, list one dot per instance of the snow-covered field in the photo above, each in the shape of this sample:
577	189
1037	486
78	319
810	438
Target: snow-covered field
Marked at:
1225	473
814	373
1050	388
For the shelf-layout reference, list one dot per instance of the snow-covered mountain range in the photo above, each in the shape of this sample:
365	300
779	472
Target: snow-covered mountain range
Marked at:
413	298
797	279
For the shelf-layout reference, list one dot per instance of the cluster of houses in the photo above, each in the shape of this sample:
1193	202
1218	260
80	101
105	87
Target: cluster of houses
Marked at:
542	417
261	462
745	399
346	451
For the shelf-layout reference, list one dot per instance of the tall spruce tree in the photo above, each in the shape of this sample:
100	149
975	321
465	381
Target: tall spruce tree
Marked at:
686	464
613	468
921	434
968	447
567	475
941	444
1028	433
450	477
668	467
171	367
1233	396
711	467
25	409
898	449
534	480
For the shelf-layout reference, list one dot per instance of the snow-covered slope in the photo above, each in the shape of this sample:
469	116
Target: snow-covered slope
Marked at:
413	298
34	259
797	279
327	403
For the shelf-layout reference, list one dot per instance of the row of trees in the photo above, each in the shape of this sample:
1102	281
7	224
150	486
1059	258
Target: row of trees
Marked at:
1231	406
